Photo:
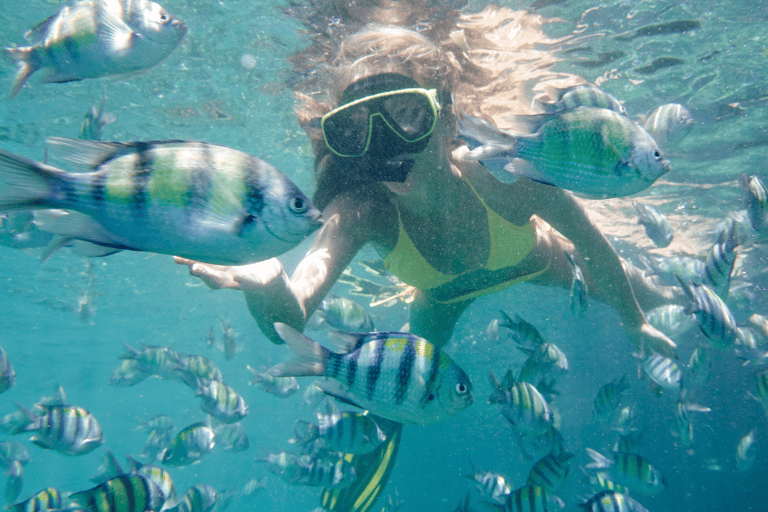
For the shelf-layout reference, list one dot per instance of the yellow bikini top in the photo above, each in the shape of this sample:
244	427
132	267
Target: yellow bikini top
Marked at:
509	244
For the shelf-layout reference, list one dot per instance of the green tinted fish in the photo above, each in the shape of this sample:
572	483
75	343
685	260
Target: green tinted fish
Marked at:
671	319
190	445
699	366
395	375
154	360
92	38
521	330
668	124
232	437
221	401
656	225
198	498
128	373
532	498
14	481
155	474
714	317
755	200
663	371
343	314
720	262
609	397
330	473
48	499
124	493
345	432
523	406
590	150
612	501
669	268
550	471
282	387
190	199
630	470
193	366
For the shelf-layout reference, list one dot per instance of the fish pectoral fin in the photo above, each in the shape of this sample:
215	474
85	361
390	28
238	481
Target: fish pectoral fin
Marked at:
118	35
337	391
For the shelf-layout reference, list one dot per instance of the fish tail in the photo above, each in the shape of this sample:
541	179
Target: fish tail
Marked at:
27	184
26	63
305	432
599	461
26	425
309	357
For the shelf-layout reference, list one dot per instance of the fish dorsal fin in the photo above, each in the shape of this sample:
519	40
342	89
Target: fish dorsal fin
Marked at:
83	155
345	342
36	33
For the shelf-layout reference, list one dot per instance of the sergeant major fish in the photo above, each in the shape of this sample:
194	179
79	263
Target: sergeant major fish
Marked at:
95	120
755	200
282	387
345	432
668	124
124	493
656	225
47	499
715	318
630	470
67	429
190	445
221	401
395	375
92	38
191	199
198	498
589	150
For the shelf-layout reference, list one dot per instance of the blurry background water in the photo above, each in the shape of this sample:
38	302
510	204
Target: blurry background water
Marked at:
226	84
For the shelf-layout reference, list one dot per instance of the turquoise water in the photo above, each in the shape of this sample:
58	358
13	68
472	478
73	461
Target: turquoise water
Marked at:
203	92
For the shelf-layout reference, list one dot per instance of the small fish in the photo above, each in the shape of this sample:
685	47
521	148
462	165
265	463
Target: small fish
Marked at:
630	470
550	471
663	371
124	493
609	397
750	346
193	367
612	501
160	423
93	38
157	444
523	405
720	262
670	268
699	365
593	151
343	314
84	307
232	437
252	487
191	199
656	225
755	200
579	290
761	389
190	445
521	330
66	429
198	498
95	121
14	451
330	473
492	331
532	498
46	500
229	340
7	374
586	95
155	474
154	360
746	452
210	336
629	441
283	464
715	318
108	469
221	401
492	485
282	387
15	481
760	322
668	124
546	359
345	432
395	375
671	319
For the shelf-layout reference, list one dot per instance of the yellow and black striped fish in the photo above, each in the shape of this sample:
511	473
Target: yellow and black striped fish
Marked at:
124	493
192	199
47	499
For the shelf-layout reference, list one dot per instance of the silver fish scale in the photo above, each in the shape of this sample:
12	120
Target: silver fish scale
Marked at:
222	401
715	318
67	429
527	409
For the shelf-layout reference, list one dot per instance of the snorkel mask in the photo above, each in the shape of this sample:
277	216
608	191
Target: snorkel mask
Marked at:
382	117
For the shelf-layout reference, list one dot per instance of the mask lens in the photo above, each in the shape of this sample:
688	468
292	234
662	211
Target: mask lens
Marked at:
409	114
348	131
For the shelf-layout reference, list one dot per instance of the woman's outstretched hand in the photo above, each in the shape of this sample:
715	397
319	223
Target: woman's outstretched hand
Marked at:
244	277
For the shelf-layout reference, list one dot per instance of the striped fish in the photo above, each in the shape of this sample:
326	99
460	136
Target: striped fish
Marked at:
579	290
155	474
663	371
128	373
761	389
550	471
395	375
656	225
720	262
191	199
7	373
609	397
671	267
671	319
232	437
601	480
193	366
346	432
92	38
523	406
587	95
221	401
190	445
612	501
699	366
755	200
492	485
198	498
630	470
66	429
343	314
521	331
283	464
715	318
545	359
124	493
48	499
668	124
15	474
532	498
590	150
95	120
154	360
282	387
330	473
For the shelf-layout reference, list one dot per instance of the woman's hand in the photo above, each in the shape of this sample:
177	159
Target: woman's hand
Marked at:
647	338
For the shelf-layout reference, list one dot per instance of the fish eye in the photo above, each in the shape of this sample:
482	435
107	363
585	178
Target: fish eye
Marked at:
164	17
657	155
298	205
461	388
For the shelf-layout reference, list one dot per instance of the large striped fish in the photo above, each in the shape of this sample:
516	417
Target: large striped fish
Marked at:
192	199
124	493
630	470
395	375
594	151
66	429
92	38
